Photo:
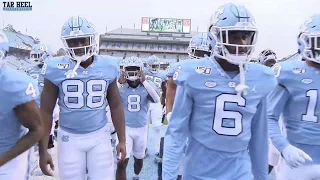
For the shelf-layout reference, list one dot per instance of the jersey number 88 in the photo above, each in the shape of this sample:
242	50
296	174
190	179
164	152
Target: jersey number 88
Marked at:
82	87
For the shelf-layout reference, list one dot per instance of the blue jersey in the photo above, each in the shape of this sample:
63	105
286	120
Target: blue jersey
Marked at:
157	78
15	89
172	69
135	102
82	99
297	98
35	73
221	125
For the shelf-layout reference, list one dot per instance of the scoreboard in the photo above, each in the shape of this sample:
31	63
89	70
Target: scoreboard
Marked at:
165	25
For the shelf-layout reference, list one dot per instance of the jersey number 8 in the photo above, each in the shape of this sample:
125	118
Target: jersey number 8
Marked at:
134	106
81	87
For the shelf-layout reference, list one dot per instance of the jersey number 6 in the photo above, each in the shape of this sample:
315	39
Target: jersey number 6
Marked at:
221	114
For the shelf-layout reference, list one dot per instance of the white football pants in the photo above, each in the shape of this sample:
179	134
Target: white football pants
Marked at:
110	126
304	172
78	152
136	141
18	168
155	114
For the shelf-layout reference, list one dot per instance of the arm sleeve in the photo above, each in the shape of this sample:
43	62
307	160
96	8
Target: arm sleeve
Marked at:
151	91
277	100
258	145
176	134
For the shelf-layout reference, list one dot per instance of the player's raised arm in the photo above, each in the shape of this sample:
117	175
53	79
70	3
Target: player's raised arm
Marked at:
117	115
28	113
151	89
176	134
258	145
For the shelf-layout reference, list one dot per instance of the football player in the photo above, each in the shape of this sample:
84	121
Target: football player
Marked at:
39	54
153	73
199	47
136	94
84	83
21	125
220	105
296	97
267	57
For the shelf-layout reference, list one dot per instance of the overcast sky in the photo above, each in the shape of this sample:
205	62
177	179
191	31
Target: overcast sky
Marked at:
278	20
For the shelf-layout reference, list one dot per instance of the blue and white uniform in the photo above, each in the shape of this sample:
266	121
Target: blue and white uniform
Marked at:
15	89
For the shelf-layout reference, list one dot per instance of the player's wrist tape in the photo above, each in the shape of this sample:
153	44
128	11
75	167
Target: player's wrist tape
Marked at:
151	91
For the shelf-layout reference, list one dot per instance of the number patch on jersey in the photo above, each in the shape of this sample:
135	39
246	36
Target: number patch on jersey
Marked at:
74	93
30	90
311	107
277	70
175	75
134	103
157	81
221	115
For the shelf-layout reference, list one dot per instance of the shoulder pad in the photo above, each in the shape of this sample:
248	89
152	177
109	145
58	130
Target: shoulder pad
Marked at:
285	70
109	65
20	87
50	69
171	69
267	76
187	71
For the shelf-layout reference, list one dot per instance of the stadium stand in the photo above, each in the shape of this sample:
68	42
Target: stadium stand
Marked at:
124	42
20	46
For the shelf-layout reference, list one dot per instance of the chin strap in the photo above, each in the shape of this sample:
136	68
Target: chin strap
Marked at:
242	87
72	72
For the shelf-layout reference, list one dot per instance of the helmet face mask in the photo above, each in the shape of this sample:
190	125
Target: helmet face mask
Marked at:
198	54
80	48
199	46
79	39
311	44
155	67
235	45
267	57
233	34
309	39
36	57
39	53
153	64
132	68
132	73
